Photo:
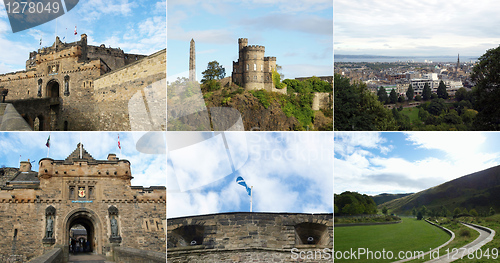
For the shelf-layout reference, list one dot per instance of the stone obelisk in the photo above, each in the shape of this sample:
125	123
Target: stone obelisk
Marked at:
192	62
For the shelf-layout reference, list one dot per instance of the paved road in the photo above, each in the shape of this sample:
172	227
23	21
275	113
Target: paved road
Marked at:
87	257
484	237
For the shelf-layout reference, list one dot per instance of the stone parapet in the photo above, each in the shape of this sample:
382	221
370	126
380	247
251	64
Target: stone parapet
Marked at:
132	255
10	120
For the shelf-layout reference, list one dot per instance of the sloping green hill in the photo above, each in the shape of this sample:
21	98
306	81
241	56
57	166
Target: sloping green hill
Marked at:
383	198
479	190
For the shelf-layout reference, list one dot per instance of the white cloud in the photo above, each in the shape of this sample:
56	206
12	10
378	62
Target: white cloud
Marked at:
414	27
94	9
371	173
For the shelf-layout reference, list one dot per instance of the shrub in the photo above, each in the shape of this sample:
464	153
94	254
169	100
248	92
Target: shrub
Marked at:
463	232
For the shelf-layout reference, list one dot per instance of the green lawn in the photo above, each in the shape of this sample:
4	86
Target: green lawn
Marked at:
410	235
412	113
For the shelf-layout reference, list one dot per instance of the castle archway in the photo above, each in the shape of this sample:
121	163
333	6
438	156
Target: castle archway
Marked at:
83	218
53	88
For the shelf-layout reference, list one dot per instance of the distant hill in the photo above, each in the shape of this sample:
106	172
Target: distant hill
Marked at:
479	190
382	198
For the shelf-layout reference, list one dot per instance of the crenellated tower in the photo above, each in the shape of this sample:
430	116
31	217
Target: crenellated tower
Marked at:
253	71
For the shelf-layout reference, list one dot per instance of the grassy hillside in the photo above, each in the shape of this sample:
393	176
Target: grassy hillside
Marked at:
480	190
382	198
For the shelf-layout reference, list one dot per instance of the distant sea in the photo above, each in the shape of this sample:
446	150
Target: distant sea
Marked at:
374	58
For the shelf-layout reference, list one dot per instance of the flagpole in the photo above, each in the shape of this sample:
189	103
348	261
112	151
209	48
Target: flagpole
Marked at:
251	197
80	145
48	148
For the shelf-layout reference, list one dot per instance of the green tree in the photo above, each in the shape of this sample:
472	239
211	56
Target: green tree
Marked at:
423	210
473	212
426	93
214	71
384	210
465	212
420	215
436	107
461	94
393	97
418	98
456	212
356	108
492	211
410	93
382	95
444	211
486	75
441	91
401	99
414	211
468	116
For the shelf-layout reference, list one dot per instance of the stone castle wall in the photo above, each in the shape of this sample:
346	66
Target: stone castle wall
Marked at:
114	91
246	237
23	224
321	100
68	71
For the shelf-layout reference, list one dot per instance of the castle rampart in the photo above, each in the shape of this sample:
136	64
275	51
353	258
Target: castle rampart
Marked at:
245	237
68	71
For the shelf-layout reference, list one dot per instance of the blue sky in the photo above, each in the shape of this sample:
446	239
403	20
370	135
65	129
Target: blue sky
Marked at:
289	172
147	169
416	28
134	26
396	162
299	33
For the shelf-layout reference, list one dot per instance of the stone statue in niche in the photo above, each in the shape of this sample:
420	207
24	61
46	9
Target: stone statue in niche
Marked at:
114	227
39	89
50	227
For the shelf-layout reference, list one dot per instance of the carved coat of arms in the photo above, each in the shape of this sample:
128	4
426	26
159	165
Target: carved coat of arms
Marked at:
81	192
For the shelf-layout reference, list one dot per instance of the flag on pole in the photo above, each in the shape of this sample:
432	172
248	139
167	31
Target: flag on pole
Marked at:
75	31
241	181
119	146
40	41
48	142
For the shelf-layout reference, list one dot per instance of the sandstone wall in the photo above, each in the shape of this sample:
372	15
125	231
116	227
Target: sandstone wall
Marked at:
23	224
114	91
244	237
321	100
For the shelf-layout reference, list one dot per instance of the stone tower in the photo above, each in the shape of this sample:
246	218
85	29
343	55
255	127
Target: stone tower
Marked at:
192	62
458	62
253	71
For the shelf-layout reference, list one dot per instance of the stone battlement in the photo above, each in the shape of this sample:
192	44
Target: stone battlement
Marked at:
255	48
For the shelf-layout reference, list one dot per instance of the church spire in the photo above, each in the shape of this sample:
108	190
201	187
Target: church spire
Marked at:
458	61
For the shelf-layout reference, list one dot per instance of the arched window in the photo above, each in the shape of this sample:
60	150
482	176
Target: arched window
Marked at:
247	67
261	67
254	67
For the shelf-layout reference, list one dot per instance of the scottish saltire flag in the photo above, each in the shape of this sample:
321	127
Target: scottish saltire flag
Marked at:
241	181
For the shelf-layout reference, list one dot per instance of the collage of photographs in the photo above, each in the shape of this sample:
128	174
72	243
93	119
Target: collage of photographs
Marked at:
166	131
249	131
